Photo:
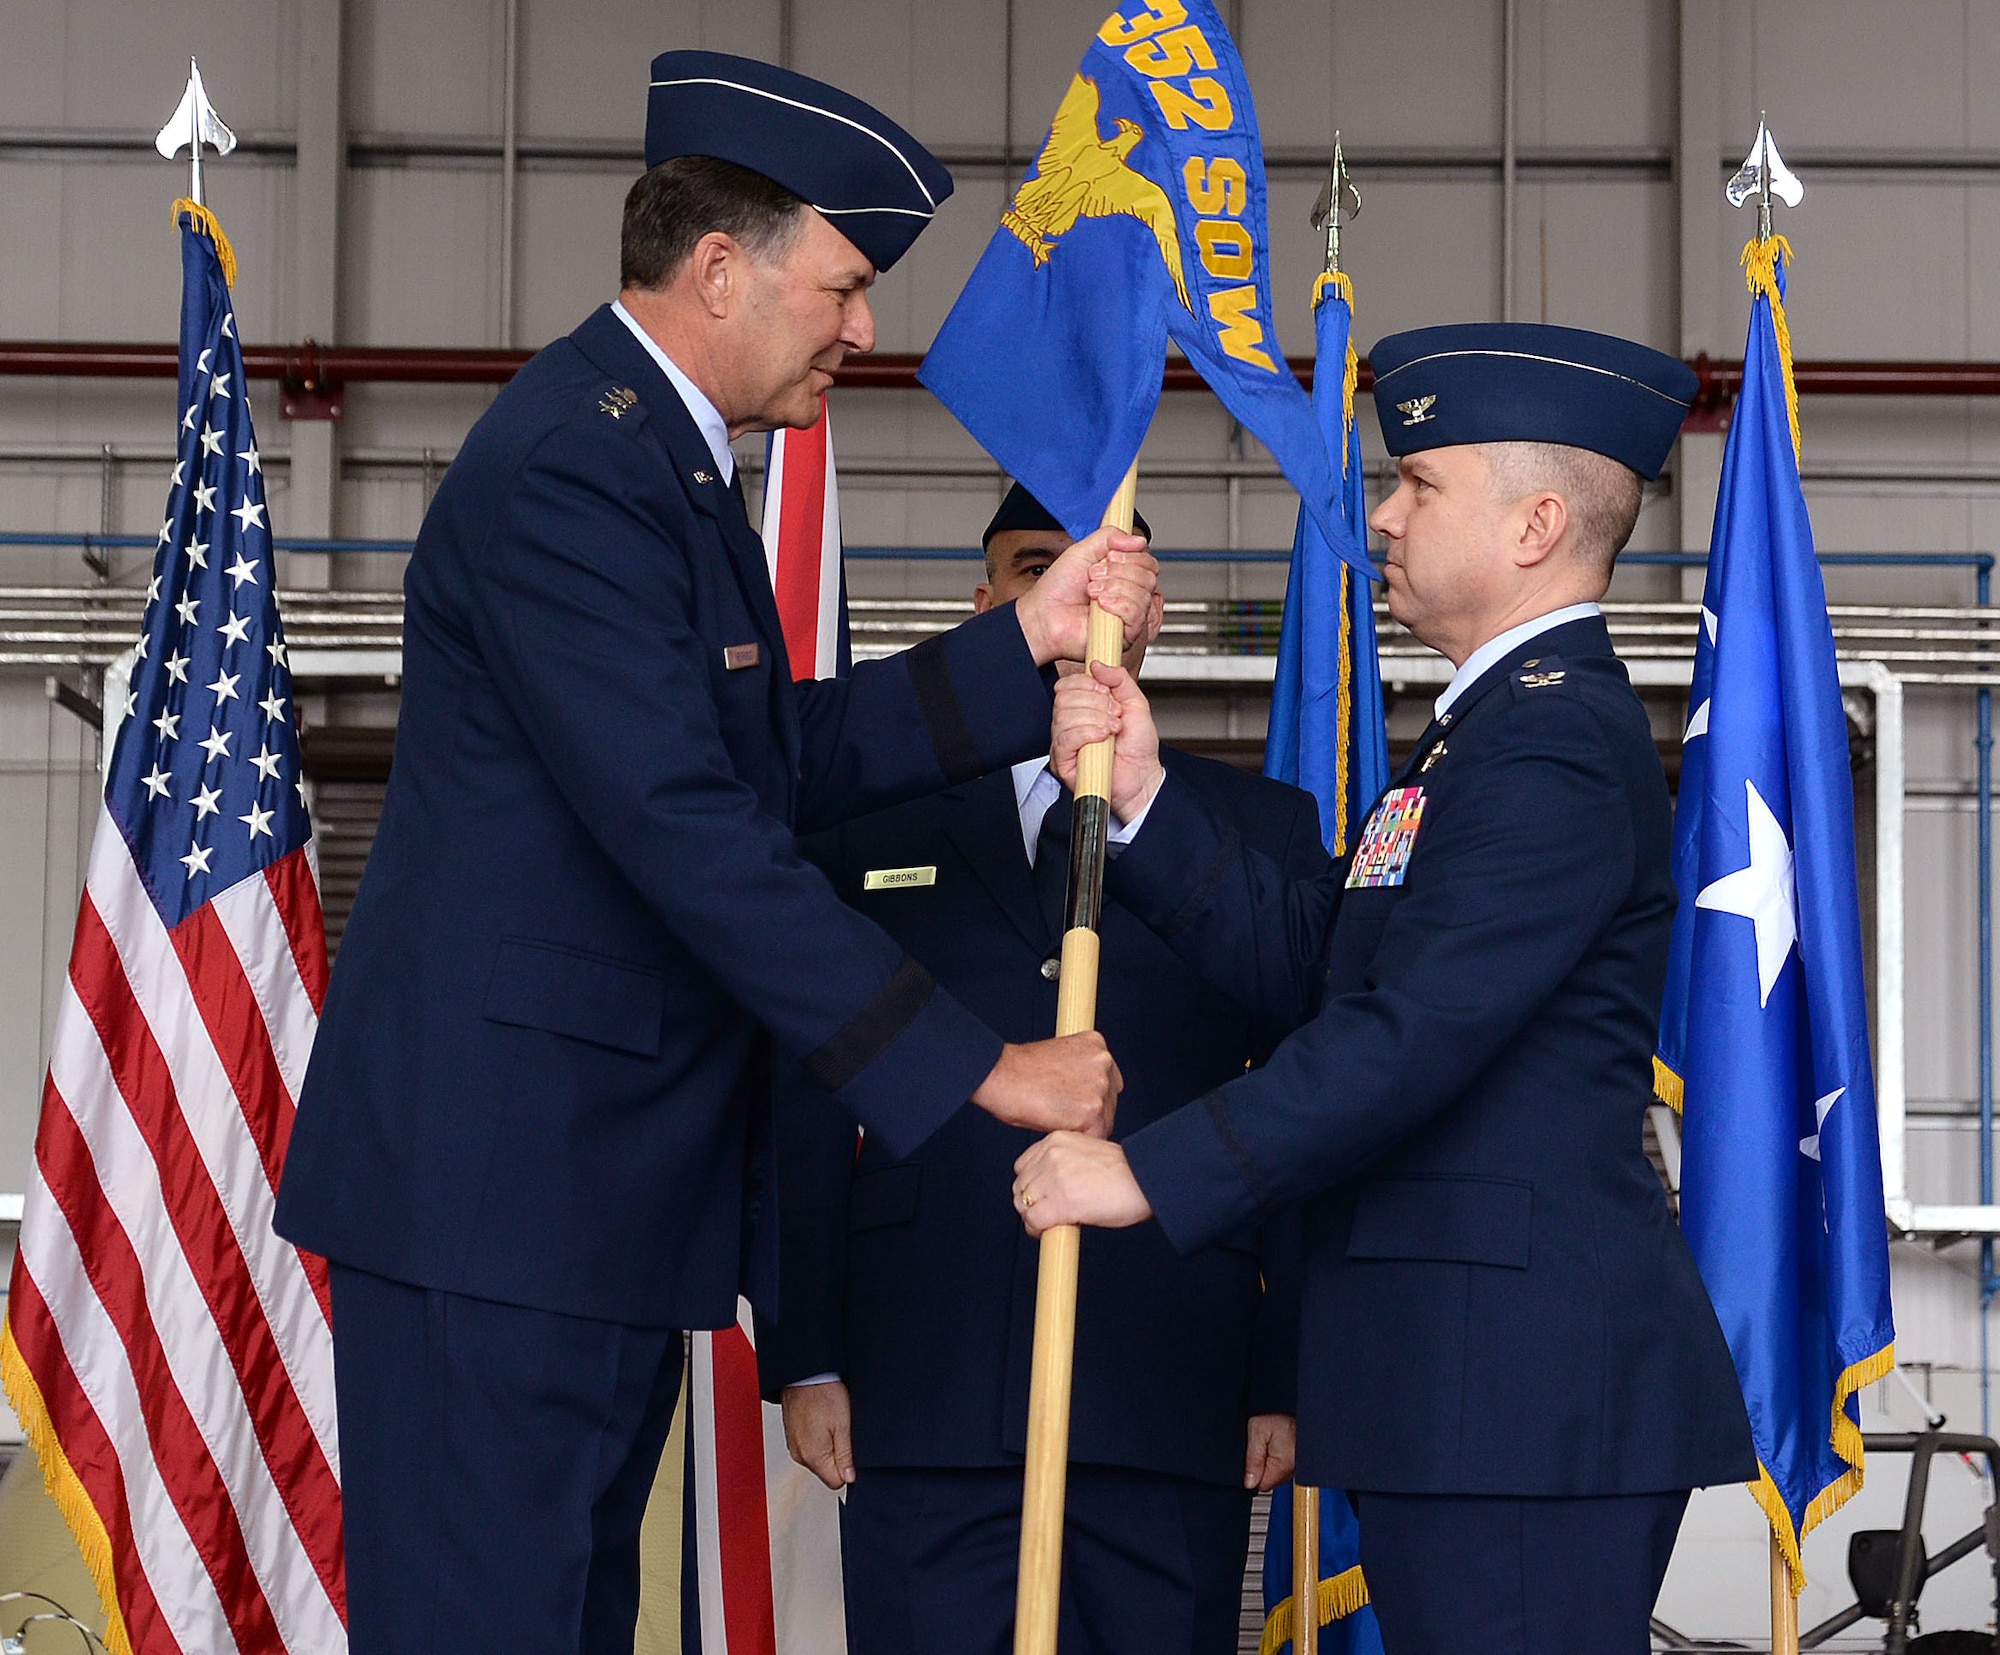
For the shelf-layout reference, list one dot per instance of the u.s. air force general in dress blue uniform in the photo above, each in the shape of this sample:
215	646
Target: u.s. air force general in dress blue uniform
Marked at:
530	1137
1505	1349
909	1276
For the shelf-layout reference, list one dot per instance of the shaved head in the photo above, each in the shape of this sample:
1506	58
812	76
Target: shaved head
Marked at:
1602	495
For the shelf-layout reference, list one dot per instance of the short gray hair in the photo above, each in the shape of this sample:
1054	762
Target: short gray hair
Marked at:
1602	495
675	204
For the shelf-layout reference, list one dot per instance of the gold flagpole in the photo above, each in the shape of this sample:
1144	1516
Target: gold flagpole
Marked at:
1334	198
1040	1586
1762	176
1305	1570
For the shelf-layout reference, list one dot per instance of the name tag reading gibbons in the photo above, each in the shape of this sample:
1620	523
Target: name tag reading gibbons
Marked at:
897	879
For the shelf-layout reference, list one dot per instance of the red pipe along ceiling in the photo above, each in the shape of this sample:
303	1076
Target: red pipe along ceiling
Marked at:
312	374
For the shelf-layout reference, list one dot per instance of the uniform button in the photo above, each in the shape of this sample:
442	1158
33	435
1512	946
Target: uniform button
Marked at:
1051	970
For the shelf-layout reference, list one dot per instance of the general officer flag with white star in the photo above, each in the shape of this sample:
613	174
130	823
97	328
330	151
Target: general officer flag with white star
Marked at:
1764	1031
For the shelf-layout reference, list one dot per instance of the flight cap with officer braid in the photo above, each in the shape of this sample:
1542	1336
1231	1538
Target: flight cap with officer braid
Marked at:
1476	382
850	163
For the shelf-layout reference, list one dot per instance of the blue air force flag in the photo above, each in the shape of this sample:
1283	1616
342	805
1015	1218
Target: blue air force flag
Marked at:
1143	218
1327	731
1764	1032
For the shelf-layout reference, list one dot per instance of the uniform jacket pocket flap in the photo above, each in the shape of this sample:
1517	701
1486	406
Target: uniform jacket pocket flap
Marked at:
1451	1220
539	986
887	1195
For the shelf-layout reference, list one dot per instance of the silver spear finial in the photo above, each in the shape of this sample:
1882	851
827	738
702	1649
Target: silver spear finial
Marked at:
193	124
1763	175
1337	195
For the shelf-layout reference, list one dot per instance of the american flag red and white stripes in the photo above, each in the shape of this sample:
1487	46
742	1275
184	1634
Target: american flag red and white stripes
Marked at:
802	547
766	1534
170	1357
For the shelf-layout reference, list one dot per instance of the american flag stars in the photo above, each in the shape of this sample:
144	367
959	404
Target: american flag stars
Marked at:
200	815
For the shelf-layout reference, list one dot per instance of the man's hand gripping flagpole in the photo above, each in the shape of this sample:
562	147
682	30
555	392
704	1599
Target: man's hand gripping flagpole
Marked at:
1166	238
1040	1586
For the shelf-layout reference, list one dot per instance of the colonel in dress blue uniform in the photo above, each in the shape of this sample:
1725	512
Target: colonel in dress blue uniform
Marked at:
534	1135
1505	1350
908	1310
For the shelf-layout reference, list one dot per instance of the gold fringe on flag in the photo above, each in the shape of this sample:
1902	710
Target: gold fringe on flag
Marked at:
64	1485
1338	1597
1338	281
1846	1438
1760	270
1667	1086
1343	747
1343	284
205	221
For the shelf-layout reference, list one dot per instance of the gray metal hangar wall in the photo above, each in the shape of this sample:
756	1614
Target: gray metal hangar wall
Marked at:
430	173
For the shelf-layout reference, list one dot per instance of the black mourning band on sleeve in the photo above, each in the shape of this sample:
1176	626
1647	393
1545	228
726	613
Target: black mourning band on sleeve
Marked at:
1184	915
944	719
866	1035
1253	1180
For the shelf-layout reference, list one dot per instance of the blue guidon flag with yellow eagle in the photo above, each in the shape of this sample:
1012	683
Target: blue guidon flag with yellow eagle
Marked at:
1142	219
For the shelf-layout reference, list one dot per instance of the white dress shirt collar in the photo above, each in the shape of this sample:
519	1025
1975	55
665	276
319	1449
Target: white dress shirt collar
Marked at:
1498	649
1036	788
707	421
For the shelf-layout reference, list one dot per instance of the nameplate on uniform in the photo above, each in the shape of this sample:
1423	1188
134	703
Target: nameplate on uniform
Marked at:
1386	843
897	879
738	656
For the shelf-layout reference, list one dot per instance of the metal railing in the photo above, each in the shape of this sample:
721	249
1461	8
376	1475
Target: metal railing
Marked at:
90	626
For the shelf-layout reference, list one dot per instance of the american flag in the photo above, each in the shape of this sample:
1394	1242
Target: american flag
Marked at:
802	547
170	1357
766	1532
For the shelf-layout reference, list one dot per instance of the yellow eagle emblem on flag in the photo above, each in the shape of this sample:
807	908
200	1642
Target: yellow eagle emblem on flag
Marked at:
1082	175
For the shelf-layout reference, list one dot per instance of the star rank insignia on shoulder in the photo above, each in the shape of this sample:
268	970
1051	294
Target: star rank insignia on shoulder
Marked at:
619	401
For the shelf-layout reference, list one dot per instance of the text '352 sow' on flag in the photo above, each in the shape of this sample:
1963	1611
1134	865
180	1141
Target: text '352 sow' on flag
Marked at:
1143	218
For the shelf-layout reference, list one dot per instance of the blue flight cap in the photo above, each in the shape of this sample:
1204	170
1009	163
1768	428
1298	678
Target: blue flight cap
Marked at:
1021	510
858	169
1479	382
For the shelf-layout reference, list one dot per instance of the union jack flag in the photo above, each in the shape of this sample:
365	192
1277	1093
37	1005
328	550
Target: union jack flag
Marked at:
170	1357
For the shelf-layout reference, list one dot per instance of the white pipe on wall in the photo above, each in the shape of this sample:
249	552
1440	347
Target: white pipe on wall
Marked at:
509	163
1509	156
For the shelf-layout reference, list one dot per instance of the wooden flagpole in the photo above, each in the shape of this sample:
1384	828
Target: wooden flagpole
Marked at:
1040	1588
1784	1607
1305	1569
